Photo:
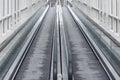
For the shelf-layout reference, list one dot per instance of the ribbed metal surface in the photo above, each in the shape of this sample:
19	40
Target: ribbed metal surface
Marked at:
36	65
85	64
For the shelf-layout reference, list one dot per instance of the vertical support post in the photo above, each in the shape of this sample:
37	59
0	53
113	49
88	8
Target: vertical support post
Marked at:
1	14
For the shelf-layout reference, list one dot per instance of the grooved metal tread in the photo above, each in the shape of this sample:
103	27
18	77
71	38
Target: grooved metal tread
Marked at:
36	65
85	64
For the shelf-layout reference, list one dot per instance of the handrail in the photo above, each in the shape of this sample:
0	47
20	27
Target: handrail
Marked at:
108	67
10	75
65	53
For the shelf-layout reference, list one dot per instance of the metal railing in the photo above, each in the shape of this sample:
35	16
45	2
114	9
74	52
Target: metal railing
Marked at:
15	14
